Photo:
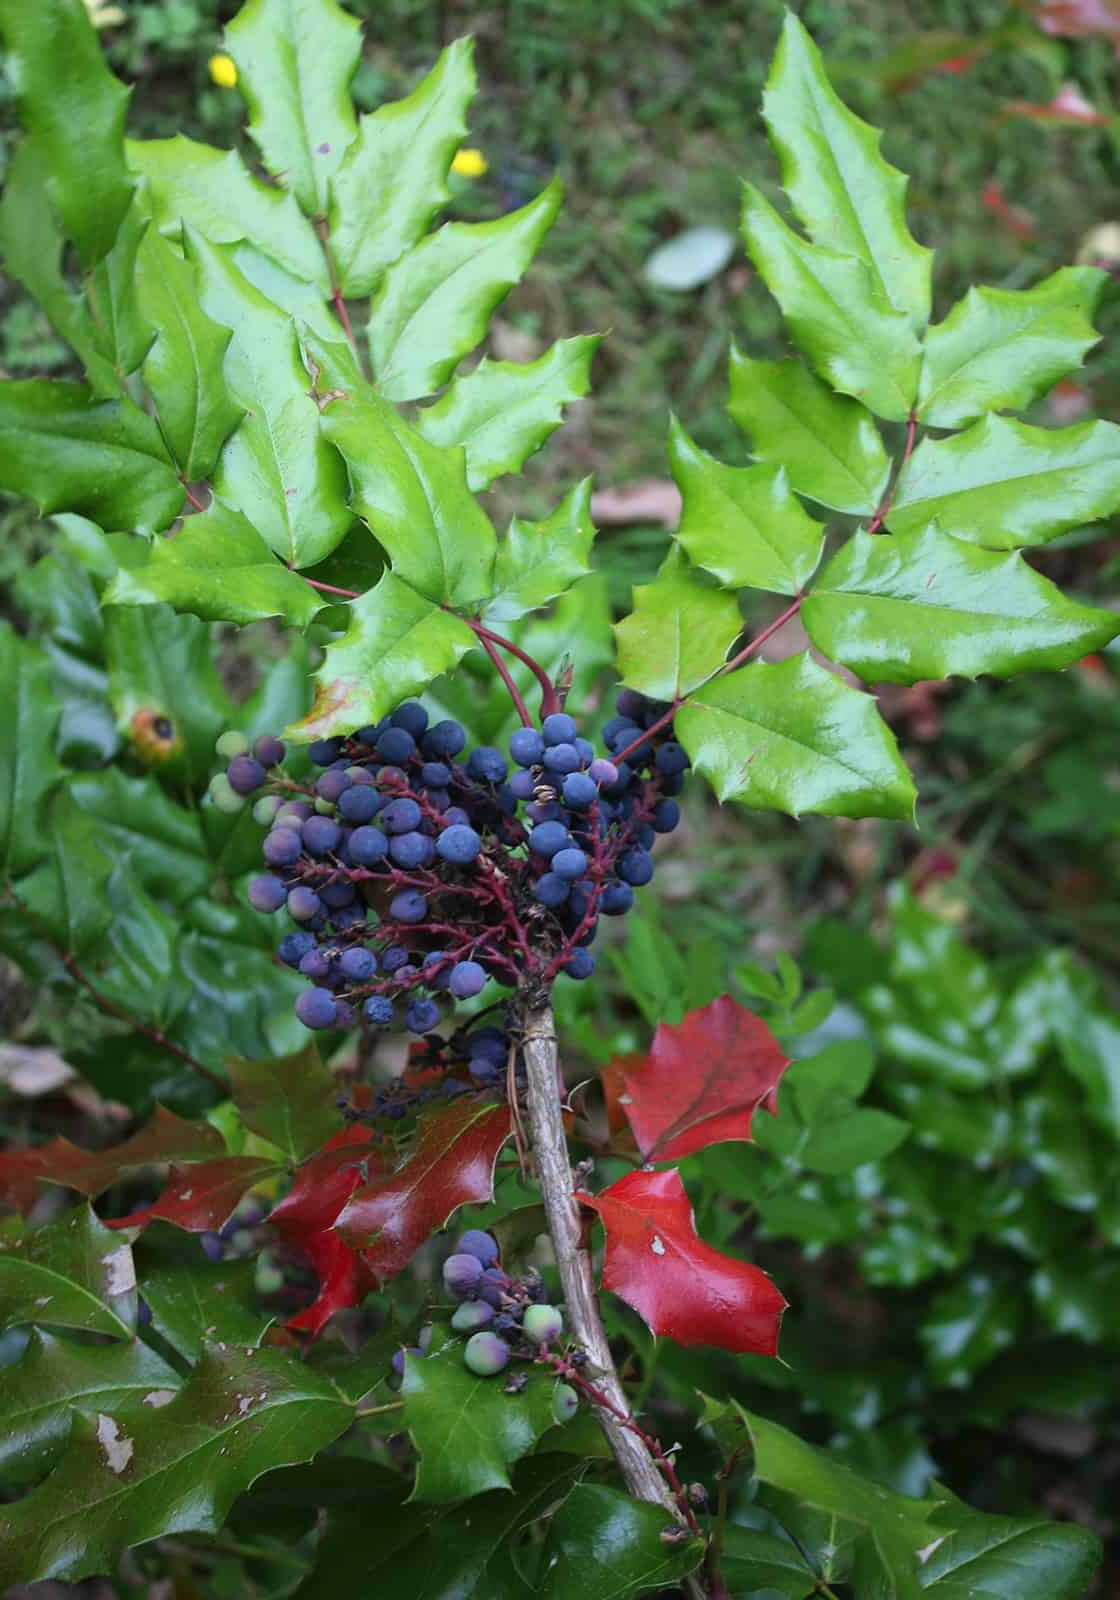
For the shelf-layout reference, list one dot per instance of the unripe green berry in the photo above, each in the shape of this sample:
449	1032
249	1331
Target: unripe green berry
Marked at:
471	1315
224	797
565	1403
543	1324
485	1354
232	743
265	809
325	808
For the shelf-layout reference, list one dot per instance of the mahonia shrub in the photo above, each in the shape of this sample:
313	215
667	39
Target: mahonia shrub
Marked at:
278	421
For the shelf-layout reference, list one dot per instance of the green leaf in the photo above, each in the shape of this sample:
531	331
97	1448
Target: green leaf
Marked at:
290	1101
503	411
752	1560
55	1377
396	643
29	770
434	303
678	633
171	1469
468	1430
791	736
743	524
1001	349
123	331
277	468
80	134
295	59
387	191
539	560
67	451
1078	1295
218	567
183	369
853	337
1003	484
70	1273
66	891
827	443
852	1139
140	824
967	1325
847	197
924	605
1004	1558
603	1543
211	191
841	1071
162	665
193	1303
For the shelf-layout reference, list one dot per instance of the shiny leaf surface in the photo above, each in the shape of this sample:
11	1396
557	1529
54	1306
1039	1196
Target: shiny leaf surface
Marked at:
678	633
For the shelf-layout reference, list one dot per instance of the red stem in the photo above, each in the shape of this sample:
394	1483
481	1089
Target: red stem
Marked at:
331	588
760	640
344	316
323	231
504	673
198	504
884	508
549	700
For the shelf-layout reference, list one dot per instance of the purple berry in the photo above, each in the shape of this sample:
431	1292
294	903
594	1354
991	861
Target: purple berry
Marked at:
282	847
269	751
467	979
526	747
316	1008
559	728
357	964
245	775
321	835
303	903
461	1273
471	1315
485	1354
459	844
378	1011
421	1016
476	1242
409	906
266	893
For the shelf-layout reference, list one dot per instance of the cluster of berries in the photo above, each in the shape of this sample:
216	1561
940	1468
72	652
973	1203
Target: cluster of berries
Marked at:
411	875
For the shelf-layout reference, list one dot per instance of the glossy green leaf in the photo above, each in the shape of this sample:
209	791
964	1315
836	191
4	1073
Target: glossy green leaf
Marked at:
161	665
123	331
211	191
828	444
503	411
744	524
846	196
924	605
1000	349
793	737
468	1430
139	822
851	1139
1005	1558
853	337
69	1273
184	367
80	134
396	643
1004	484
295	59
678	633
752	1560
967	1325
29	770
603	1543
1054	1138
277	468
218	567
393	181
1078	1295
304	302
65	892
539	560
68	452
170	1469
434	303
290	1101
195	1303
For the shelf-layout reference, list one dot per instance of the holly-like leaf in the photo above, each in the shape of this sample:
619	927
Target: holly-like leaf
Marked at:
202	1198
295	59
396	643
123	332
211	191
924	605
169	1469
539	560
702	1081
450	1164
744	524
503	411
305	1218
1000	349
217	567
752	1560
68	452
846	196
1003	484
29	769
138	821
468	1430
678	633
80	135
854	338
1007	1557
194	1304
66	891
70	1273
434	303
680	1286
601	1542
289	1101
791	736
828	444
162	666
183	368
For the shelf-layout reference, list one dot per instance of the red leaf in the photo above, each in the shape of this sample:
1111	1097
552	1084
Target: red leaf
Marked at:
1069	106
613	1080
344	1280
1080	19
200	1199
164	1139
683	1288
451	1164
702	1081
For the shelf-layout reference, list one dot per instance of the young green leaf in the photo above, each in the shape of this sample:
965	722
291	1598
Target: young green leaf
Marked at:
846	196
295	59
854	337
793	737
923	605
1000	349
434	303
678	633
828	444
603	1543
29	768
69	1273
393	180
539	560
1004	484
743	524
503	411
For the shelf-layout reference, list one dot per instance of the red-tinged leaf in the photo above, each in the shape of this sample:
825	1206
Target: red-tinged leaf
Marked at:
703	1080
201	1199
344	1280
451	1164
613	1080
684	1289
1069	108
164	1139
1014	218
1080	19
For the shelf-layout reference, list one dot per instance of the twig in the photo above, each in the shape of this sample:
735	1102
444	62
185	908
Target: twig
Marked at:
504	673
199	505
884	508
330	588
549	700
